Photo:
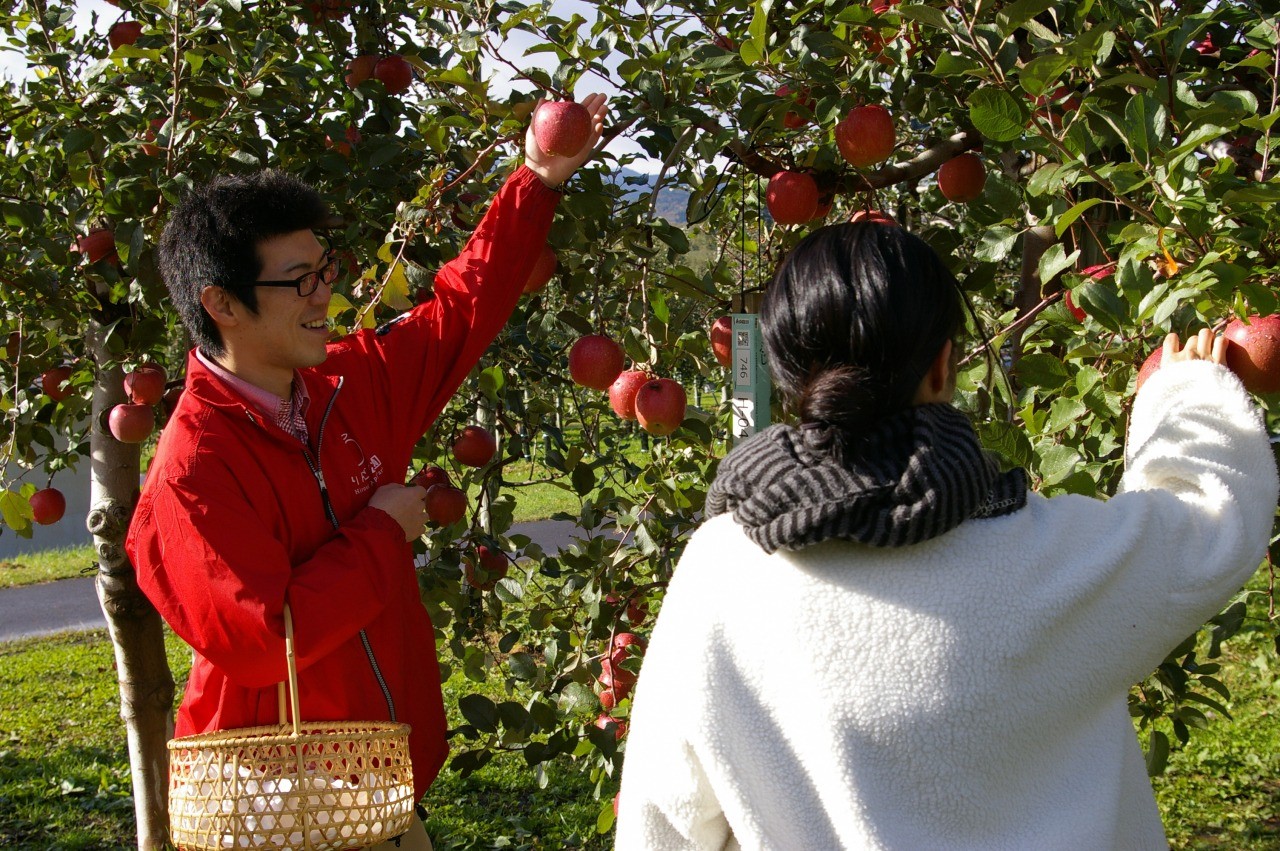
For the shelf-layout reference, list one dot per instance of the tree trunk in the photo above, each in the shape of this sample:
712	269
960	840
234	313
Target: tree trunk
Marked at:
146	685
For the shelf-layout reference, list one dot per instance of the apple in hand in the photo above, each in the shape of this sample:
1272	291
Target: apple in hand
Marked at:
131	423
660	406
561	127
429	476
622	392
145	385
596	361
722	340
446	504
474	446
1253	352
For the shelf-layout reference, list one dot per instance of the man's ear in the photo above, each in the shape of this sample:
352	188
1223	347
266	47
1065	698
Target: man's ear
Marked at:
220	306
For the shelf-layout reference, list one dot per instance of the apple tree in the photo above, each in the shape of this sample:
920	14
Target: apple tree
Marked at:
1115	152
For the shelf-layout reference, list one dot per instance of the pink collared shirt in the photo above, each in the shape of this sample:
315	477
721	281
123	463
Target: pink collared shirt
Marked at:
289	414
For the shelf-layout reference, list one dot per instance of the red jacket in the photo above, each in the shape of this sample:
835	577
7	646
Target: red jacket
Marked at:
232	520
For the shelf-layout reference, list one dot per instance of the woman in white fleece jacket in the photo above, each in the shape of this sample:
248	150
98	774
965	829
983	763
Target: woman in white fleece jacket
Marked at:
881	641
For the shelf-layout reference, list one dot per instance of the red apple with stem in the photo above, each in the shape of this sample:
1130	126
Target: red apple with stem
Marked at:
543	270
596	361
866	136
961	178
99	244
394	73
145	385
130	423
48	506
722	340
622	393
1253	352
428	476
474	446
619	648
561	127
660	406
446	504
792	197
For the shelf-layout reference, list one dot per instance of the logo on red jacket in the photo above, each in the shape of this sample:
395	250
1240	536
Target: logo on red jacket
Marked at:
368	470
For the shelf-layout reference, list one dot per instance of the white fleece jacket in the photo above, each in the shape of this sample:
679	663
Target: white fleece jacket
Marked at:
968	692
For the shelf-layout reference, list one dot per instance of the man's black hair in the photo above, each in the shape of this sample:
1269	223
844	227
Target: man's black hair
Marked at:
212	238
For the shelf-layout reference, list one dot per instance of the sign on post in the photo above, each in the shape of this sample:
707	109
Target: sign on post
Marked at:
750	377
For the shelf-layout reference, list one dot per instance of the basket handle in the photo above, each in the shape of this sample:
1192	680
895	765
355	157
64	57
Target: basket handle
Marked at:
292	662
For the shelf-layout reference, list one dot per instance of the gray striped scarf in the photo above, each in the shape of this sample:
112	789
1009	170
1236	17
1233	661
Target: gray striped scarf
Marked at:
917	474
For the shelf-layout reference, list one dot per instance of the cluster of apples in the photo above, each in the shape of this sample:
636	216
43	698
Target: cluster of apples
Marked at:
865	137
133	421
474	446
658	404
615	682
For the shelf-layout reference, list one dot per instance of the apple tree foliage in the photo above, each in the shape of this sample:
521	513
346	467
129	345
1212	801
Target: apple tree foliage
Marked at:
1116	133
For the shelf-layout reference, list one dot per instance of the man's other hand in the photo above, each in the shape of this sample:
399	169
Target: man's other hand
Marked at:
407	506
556	170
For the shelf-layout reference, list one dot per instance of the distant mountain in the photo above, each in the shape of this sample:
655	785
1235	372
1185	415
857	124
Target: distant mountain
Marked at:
672	201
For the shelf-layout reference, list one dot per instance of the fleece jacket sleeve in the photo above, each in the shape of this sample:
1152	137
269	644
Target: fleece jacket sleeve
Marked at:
419	359
220	578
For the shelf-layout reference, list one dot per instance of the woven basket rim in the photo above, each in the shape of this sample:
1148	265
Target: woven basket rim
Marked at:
282	734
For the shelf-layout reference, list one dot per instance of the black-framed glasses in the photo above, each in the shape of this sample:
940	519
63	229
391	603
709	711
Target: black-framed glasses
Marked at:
308	283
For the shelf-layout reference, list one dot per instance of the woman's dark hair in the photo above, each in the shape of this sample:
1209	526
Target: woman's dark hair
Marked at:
212	237
850	324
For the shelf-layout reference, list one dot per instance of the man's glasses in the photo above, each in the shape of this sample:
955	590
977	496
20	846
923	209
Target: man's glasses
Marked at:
308	283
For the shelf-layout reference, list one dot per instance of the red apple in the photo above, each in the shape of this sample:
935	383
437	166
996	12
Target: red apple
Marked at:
353	138
961	178
1205	46
622	393
561	127
48	506
619	727
792	197
609	698
660	406
429	476
866	136
153	128
131	423
874	216
124	32
724	42
618	649
1149	366
1253	352
332	9
615	677
880	6
394	73
637	611
485	567
596	361
543	270
722	340
794	120
474	446
98	244
825	203
53	380
359	70
617	796
446	504
1052	106
145	385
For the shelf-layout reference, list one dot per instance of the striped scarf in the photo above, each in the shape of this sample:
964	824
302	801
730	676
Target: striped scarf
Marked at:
919	473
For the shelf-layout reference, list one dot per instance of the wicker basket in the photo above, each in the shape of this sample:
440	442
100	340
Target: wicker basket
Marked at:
319	786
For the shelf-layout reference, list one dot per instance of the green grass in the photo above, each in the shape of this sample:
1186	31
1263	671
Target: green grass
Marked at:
46	566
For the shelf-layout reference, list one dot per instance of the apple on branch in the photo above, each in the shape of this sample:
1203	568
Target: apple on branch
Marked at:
961	178
722	340
130	423
792	197
394	73
596	361
622	393
866	136
124	32
145	385
48	506
53	382
474	446
446	504
660	406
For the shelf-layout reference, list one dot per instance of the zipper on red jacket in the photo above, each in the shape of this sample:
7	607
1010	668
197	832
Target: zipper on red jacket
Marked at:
314	464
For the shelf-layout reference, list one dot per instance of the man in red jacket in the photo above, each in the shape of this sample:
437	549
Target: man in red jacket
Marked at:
280	476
